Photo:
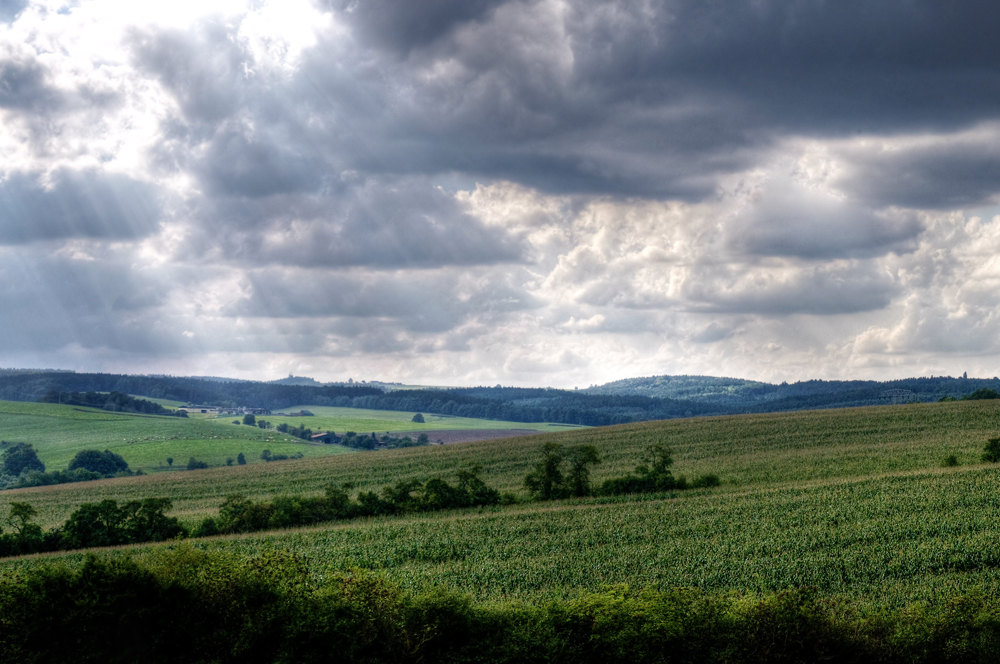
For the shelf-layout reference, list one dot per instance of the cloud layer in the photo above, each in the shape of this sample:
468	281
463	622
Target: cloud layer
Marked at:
486	191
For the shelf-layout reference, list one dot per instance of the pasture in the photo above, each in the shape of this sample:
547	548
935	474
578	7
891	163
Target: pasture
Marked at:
145	441
855	502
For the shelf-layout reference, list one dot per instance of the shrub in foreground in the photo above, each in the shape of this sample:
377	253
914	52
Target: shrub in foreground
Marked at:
182	604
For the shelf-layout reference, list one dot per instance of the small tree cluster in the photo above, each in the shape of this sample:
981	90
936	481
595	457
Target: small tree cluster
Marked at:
654	475
239	514
991	452
106	463
548	481
94	524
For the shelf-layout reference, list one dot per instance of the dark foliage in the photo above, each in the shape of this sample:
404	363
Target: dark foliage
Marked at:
191	606
548	481
654	476
991	452
94	524
982	393
239	514
106	463
21	458
115	401
194	464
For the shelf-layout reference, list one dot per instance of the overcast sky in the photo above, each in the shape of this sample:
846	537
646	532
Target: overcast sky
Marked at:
463	192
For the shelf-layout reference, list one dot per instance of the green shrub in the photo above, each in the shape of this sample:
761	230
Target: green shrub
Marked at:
991	452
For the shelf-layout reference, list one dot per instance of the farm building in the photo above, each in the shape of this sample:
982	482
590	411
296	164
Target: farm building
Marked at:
193	408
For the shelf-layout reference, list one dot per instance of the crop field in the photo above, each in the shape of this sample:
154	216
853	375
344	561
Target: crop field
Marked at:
145	441
854	502
359	420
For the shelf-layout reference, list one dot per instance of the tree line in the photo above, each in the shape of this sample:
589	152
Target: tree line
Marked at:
115	401
108	523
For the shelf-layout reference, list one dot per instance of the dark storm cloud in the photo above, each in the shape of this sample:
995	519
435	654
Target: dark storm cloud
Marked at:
650	99
92	303
202	69
386	225
818	291
402	25
421	302
76	204
655	98
953	175
235	164
789	220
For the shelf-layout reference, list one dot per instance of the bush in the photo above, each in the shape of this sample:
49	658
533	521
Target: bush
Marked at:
706	481
21	457
240	459
207	528
951	461
419	418
991	452
106	463
194	464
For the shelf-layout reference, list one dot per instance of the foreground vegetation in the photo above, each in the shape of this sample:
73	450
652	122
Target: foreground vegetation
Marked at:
185	605
846	534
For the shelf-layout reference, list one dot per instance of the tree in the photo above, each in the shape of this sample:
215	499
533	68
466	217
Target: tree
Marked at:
240	459
194	464
27	535
546	480
249	419
266	455
580	458
229	461
20	458
422	439
418	418
170	461
105	463
991	452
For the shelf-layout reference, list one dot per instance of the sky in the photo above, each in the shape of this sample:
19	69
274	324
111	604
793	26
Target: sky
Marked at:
466	192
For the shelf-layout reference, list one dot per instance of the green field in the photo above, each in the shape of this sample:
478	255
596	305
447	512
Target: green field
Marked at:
359	420
854	502
145	441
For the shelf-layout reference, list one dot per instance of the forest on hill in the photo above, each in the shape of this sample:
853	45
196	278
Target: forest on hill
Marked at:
629	400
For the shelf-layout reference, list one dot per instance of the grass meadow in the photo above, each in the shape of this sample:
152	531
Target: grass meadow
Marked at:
854	502
145	441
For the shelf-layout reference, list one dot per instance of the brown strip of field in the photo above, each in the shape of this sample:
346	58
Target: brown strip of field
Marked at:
466	435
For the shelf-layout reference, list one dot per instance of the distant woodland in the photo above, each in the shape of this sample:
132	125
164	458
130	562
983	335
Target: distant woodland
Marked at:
631	400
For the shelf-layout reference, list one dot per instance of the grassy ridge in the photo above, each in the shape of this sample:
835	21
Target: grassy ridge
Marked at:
853	502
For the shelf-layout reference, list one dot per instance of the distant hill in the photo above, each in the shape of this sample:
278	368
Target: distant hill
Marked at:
296	380
630	400
735	395
698	388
